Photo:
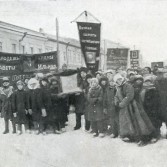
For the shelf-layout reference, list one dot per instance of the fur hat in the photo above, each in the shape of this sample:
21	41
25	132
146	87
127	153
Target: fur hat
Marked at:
33	81
94	80
84	69
19	83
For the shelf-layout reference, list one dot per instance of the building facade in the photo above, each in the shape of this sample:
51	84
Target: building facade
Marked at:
15	39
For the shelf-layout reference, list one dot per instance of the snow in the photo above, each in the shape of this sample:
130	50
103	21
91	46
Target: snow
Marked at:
77	149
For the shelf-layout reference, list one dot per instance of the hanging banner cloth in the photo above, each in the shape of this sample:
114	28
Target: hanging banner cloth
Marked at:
89	34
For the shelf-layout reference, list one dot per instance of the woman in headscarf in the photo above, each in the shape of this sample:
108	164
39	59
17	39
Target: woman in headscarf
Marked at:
134	122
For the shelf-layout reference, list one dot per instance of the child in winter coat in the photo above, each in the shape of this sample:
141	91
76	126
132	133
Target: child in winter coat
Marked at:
37	105
110	110
87	122
96	115
6	92
19	107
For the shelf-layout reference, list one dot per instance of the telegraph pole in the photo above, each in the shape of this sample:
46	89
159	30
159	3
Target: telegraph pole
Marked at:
57	39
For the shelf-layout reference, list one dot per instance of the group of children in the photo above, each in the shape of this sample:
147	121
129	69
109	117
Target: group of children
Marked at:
36	104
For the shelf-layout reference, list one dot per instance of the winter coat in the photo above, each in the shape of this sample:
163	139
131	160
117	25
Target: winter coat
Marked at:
37	101
19	106
87	107
108	102
58	105
161	85
5	103
95	98
133	120
151	105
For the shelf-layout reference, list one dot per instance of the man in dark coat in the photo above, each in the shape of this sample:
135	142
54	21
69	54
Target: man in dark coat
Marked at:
151	103
6	92
58	110
79	98
19	106
161	86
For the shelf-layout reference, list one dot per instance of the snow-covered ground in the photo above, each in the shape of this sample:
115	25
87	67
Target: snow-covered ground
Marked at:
77	149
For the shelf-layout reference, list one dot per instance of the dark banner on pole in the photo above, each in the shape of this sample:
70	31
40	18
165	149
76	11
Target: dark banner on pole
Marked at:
89	34
117	57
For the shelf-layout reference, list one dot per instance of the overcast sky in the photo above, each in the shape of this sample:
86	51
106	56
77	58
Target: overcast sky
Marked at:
142	23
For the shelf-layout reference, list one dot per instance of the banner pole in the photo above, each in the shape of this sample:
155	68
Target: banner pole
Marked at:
57	39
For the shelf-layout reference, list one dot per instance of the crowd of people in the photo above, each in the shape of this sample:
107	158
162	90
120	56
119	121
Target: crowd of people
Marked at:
129	104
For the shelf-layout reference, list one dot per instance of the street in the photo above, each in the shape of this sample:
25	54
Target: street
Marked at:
77	149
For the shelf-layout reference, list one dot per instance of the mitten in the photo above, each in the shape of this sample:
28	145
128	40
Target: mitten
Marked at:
30	111
26	112
15	114
44	114
105	111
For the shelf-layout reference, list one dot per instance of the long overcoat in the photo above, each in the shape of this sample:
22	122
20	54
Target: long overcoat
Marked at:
108	102
5	103
151	105
133	120
37	101
95	98
19	106
161	85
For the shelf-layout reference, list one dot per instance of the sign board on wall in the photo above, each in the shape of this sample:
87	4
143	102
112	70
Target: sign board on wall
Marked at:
160	64
117	57
134	59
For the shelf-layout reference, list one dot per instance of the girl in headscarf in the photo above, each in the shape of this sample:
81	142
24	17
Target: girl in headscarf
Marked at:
96	115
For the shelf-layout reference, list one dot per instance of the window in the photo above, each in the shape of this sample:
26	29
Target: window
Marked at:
64	54
13	48
48	49
40	50
23	49
31	50
0	46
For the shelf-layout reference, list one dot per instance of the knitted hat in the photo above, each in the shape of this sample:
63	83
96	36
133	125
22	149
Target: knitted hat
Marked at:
19	83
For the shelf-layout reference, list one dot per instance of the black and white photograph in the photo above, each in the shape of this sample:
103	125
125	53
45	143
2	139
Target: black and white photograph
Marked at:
83	83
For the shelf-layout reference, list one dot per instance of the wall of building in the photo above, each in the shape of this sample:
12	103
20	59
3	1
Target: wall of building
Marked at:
14	40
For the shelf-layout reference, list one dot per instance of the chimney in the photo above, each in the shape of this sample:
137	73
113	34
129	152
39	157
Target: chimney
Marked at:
41	30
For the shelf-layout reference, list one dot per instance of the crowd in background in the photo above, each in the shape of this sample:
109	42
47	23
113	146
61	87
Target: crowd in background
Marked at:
129	104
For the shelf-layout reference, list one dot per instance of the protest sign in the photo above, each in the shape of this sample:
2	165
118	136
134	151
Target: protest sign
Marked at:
117	58
69	84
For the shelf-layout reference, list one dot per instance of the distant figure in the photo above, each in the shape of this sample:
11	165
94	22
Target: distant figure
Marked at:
28	65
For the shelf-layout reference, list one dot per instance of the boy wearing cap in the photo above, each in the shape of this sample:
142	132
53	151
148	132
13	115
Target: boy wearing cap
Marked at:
6	92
